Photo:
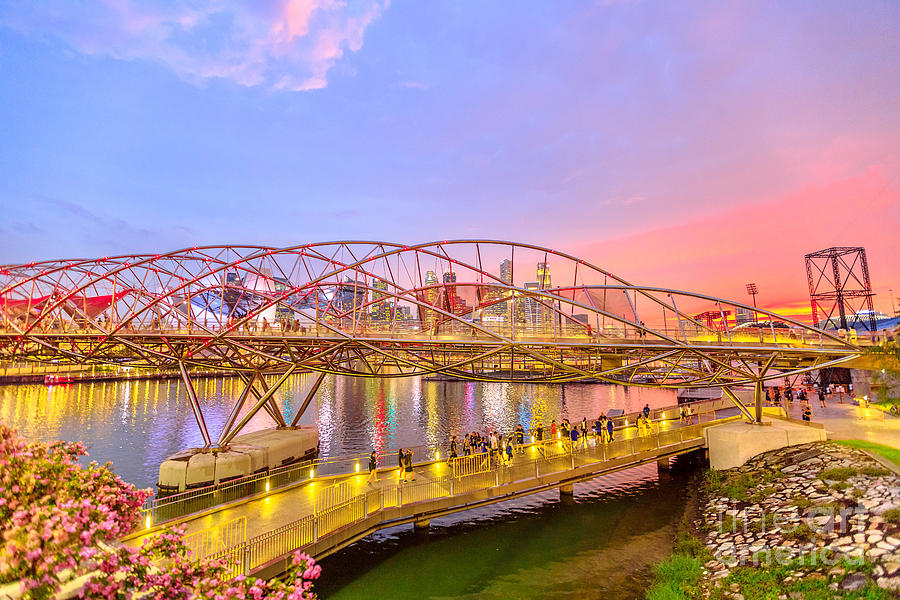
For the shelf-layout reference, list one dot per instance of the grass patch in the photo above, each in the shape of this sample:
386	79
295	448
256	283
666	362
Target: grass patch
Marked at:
801	501
892	516
729	524
888	452
677	578
767	582
801	532
762	494
874	471
837	474
737	485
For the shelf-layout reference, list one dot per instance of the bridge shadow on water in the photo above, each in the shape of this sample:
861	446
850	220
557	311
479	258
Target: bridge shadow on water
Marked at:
603	544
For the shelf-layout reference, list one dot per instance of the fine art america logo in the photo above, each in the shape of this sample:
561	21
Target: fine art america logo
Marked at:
757	537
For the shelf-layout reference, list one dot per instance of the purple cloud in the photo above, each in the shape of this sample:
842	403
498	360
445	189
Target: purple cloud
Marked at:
286	45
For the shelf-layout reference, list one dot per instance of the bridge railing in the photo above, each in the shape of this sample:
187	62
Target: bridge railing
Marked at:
530	462
160	510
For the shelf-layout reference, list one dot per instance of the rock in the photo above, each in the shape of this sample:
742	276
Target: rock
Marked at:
853	582
889	583
892	567
836	571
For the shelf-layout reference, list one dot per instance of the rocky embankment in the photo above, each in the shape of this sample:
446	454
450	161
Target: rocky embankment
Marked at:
813	513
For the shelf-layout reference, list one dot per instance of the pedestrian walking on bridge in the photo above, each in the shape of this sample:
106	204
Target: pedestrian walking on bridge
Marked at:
373	468
409	466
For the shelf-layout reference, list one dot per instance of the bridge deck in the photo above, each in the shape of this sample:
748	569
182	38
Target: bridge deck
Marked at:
329	513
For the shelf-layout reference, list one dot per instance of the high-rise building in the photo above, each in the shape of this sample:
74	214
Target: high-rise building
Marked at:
506	271
543	275
454	302
430	296
528	310
381	307
496	308
546	314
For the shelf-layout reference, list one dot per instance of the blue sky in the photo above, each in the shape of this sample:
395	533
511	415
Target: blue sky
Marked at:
618	130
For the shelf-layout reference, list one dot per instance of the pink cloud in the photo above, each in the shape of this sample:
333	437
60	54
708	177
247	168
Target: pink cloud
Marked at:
291	44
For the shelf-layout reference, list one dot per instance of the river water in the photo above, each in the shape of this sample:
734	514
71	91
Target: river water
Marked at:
602	545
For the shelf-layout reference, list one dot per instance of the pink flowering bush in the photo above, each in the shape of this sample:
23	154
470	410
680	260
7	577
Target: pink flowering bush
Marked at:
53	511
131	572
60	520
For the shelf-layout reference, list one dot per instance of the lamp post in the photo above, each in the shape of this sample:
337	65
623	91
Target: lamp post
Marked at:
753	290
893	309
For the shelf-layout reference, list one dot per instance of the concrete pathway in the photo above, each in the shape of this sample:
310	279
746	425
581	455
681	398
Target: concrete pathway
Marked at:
845	421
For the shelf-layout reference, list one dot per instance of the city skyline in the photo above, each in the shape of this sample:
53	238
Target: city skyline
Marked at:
699	149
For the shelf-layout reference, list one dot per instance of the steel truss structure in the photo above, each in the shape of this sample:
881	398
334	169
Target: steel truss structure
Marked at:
839	288
474	309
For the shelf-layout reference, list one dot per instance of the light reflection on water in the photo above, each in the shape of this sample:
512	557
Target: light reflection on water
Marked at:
137	424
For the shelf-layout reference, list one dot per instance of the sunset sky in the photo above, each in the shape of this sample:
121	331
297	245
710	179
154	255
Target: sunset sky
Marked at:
691	145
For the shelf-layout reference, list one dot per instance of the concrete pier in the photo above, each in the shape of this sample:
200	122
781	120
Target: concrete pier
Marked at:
731	444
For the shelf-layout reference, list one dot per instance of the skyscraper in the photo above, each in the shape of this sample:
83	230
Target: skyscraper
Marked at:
543	275
381	307
506	271
431	297
496	310
454	303
545	314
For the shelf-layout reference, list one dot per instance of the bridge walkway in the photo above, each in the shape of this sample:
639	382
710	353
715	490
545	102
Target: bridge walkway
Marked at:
325	515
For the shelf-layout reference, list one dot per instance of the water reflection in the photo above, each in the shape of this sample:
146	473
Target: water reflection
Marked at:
137	424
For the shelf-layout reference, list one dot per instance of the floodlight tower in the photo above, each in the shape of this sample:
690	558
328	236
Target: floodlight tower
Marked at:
753	291
839	283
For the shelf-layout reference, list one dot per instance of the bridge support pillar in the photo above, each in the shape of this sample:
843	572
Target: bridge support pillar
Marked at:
567	493
422	524
663	464
758	396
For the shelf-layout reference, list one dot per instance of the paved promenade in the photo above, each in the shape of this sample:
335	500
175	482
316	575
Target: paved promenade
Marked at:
845	421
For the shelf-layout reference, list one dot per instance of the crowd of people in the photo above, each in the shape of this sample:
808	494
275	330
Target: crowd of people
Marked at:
778	395
501	448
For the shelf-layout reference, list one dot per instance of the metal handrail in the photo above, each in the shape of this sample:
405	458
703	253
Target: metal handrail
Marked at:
215	541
